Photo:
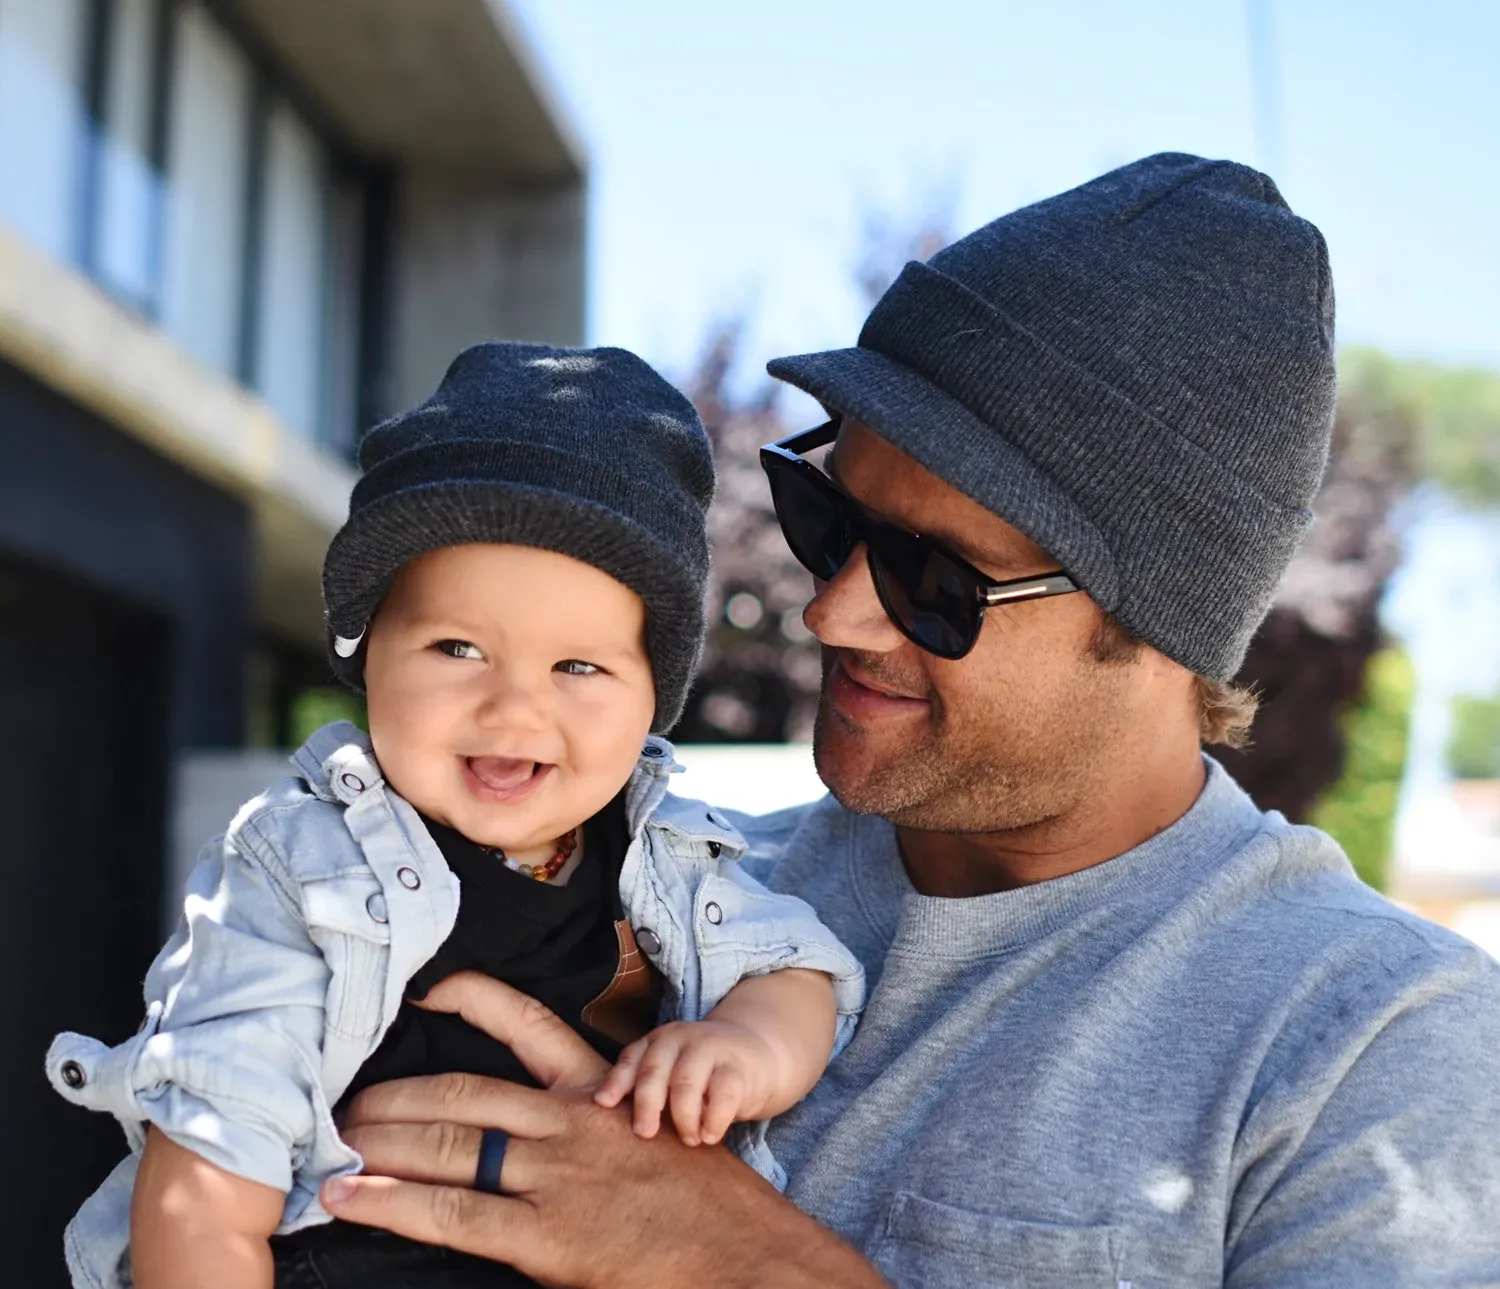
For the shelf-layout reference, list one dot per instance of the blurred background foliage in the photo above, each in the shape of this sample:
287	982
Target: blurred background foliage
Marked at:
1360	808
1474	746
1453	411
313	708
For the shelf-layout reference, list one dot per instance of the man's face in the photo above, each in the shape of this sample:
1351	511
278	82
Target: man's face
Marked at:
1020	731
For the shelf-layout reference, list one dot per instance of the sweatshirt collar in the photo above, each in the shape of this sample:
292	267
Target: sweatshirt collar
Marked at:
1219	822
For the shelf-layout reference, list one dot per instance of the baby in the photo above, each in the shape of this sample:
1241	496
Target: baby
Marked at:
519	591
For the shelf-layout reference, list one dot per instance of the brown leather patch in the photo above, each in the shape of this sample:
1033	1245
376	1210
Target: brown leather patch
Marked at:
629	1006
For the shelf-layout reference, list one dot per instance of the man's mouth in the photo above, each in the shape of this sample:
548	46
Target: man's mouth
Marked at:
861	698
504	778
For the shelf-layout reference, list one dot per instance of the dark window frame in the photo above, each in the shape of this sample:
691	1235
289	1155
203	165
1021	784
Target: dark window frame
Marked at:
272	86
100	26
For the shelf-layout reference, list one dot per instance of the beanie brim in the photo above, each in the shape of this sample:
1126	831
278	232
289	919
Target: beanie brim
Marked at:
943	436
380	538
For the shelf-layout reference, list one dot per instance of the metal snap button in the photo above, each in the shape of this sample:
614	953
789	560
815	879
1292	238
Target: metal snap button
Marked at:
713	913
375	907
715	849
408	878
649	941
73	1075
353	782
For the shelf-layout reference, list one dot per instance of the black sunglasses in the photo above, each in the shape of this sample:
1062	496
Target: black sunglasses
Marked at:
936	598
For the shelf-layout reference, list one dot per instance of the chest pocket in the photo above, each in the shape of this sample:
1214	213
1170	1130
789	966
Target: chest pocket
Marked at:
926	1245
346	918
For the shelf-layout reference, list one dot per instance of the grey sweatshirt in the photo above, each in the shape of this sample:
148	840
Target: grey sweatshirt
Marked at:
1218	1058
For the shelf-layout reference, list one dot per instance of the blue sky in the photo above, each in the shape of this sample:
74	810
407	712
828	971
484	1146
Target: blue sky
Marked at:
736	147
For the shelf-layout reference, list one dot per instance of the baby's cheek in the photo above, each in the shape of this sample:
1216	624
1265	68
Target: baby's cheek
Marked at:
605	737
416	759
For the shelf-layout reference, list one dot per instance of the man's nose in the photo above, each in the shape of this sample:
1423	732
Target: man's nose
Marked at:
847	614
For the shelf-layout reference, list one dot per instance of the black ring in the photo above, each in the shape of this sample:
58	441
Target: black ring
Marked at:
492	1144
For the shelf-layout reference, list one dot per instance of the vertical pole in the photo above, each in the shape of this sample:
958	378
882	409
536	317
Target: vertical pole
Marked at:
1264	86
163	49
99	24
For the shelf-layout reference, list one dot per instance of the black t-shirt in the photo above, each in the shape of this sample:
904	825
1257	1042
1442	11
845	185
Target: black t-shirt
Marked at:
556	943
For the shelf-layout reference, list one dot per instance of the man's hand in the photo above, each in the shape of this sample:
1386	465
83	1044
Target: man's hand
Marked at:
586	1203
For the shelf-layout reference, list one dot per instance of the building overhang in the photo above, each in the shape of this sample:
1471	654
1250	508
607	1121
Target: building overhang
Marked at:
443	83
63	330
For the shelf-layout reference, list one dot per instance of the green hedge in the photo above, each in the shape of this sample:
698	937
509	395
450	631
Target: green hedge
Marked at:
1360	809
1474	747
311	709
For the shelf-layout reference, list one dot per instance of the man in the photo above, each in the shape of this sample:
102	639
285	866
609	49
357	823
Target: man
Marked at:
1124	1029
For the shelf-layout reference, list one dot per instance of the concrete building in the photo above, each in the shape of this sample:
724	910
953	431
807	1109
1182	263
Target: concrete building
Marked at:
232	234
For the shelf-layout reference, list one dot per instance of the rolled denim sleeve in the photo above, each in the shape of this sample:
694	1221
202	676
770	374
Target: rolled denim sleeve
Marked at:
227	1063
743	929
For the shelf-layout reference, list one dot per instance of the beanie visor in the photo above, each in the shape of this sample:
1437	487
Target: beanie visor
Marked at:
943	436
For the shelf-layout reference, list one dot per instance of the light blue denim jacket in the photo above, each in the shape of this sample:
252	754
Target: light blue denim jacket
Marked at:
302	926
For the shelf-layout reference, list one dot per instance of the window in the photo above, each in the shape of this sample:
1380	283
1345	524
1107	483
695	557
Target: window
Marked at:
155	144
41	120
266	264
293	278
348	214
206	220
127	63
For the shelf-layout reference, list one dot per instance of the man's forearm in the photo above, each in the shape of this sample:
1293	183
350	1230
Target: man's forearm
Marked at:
784	1248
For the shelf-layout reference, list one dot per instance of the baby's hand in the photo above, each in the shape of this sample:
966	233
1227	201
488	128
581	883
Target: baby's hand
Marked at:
711	1072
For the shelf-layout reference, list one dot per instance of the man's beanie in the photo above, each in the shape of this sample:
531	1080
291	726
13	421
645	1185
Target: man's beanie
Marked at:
587	452
1138	374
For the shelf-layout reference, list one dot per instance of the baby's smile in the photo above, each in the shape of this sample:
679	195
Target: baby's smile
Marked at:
503	780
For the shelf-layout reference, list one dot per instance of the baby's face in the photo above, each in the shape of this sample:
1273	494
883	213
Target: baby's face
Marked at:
509	690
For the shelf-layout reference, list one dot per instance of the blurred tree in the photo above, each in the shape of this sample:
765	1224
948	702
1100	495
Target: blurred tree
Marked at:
1335	709
761	670
1474	746
1360	808
1310	658
760	673
1456	411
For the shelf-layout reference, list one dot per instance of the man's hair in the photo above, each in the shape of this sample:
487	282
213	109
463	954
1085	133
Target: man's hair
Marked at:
1225	710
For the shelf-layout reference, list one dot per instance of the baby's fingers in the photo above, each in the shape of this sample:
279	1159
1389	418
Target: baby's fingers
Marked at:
689	1086
616	1086
721	1106
651	1082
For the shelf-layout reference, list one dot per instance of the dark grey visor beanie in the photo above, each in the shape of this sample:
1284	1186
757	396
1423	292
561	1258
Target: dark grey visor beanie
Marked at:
1138	374
587	452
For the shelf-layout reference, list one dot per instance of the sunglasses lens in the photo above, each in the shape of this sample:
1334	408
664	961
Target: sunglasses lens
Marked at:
815	525
930	597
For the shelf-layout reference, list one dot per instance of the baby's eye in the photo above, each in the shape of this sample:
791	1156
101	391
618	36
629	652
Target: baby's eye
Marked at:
576	667
459	649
